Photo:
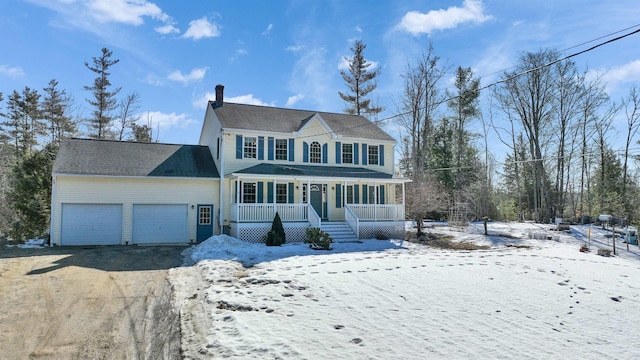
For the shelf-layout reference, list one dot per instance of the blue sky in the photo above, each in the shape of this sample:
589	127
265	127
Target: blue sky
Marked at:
289	53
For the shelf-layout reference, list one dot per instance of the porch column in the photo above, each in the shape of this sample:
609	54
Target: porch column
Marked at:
344	194
375	201
403	207
239	190
274	198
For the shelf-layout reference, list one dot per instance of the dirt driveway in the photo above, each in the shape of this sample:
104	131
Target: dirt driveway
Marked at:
88	303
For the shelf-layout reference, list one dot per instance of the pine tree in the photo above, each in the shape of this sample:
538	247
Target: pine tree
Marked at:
55	108
30	194
104	100
360	81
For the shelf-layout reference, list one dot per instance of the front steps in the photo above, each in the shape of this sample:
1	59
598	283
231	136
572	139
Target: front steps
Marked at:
339	231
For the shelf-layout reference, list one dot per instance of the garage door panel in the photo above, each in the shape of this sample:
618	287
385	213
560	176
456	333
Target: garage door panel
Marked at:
160	223
91	224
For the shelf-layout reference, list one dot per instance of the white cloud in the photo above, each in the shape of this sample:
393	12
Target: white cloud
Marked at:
343	64
294	48
267	31
129	12
12	71
237	54
310	77
166	121
292	100
194	75
202	28
629	72
249	100
417	23
167	29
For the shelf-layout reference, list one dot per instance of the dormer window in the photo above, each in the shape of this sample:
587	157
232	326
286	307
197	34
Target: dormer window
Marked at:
250	147
315	152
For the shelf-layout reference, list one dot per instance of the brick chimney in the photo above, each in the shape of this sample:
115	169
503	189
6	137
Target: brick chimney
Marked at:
219	95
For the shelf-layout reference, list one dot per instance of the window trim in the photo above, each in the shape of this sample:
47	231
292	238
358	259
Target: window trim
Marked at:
313	154
370	150
347	159
285	155
245	193
278	194
248	146
207	215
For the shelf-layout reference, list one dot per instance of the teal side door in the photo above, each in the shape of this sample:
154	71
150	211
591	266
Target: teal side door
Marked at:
205	222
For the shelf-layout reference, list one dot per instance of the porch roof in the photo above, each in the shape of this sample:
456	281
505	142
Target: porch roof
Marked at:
313	171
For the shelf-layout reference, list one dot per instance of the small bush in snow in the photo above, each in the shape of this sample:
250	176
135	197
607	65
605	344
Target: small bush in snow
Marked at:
318	239
275	236
272	239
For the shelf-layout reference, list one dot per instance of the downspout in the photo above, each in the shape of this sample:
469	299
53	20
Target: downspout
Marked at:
52	214
221	194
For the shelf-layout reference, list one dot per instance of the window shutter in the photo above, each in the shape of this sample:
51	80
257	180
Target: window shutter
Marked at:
381	155
238	146
365	154
291	149
356	153
305	152
270	192
260	147
270	146
381	199
260	192
338	152
365	194
338	196
356	194
290	193
325	155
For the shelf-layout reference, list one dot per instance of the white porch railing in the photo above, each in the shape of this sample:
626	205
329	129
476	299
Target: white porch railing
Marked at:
314	218
378	212
266	212
353	221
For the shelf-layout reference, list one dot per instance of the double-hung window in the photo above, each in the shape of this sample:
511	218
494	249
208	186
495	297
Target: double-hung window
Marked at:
373	155
347	153
250	147
281	149
349	194
281	193
249	193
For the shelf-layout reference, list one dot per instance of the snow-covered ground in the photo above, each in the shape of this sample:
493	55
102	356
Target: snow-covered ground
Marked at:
400	300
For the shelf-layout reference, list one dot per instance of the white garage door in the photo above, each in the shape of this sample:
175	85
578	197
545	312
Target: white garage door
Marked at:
91	224
154	224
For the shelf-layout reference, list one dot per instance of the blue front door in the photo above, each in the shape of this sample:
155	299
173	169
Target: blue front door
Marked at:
205	222
318	197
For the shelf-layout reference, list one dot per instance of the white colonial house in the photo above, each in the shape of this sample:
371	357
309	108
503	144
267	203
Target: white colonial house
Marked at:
315	169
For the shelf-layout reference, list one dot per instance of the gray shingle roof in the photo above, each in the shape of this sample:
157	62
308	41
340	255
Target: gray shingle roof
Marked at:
253	117
314	171
117	158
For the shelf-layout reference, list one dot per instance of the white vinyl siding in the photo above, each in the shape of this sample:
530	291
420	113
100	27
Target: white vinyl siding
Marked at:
130	191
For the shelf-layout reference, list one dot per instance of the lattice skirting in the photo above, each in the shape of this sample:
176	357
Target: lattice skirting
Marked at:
382	230
254	232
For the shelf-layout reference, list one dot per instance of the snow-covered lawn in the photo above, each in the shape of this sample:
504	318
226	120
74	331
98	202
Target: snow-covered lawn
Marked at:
394	300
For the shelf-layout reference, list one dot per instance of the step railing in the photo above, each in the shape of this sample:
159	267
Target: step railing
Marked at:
352	219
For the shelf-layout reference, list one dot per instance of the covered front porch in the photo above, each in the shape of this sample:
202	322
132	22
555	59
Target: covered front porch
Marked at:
371	207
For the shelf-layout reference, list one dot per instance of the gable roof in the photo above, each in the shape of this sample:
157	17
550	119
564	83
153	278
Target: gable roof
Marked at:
314	171
119	158
265	118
